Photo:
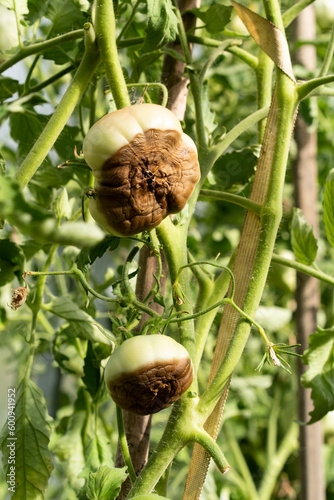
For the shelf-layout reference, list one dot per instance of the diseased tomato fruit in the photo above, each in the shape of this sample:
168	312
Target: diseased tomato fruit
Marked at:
148	373
144	165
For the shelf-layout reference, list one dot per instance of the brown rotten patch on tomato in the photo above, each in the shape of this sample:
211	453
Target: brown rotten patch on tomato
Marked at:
153	387
148	373
151	175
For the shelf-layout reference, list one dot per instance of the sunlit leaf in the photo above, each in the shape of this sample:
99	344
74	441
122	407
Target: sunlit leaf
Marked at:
303	241
320	375
106	483
161	25
329	207
28	442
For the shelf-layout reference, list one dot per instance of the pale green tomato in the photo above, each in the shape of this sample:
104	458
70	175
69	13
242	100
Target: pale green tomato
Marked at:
325	13
8	32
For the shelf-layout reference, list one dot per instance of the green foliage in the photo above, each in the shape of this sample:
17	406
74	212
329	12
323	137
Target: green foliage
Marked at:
215	18
29	441
63	319
105	484
161	24
303	241
233	171
329	207
320	375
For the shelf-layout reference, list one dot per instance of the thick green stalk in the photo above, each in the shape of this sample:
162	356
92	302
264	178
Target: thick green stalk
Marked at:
263	73
105	30
174	243
270	219
65	108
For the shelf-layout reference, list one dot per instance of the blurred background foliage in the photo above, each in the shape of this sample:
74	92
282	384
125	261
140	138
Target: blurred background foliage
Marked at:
260	406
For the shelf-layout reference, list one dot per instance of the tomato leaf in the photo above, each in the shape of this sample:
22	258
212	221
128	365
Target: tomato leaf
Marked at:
320	375
65	16
88	256
29	443
233	171
329	207
303	241
81	324
215	18
162	24
12	259
8	87
105	483
92	372
98	453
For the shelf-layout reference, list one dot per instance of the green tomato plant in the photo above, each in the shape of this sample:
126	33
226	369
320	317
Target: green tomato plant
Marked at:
114	110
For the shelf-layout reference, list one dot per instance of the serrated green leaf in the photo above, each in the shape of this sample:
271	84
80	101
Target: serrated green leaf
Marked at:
67	352
11	258
233	171
33	426
88	256
98	453
329	207
150	496
303	241
81	324
105	484
92	371
26	127
8	87
217	17
320	375
65	16
67	443
161	25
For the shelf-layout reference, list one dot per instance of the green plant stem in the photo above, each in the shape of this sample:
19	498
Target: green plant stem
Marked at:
308	270
196	89
39	47
250	489
273	12
55	125
172	441
124	444
263	73
35	307
174	244
270	218
204	322
184	426
236	131
105	30
328	56
277	461
129	21
49	81
161	86
304	89
244	55
30	72
231	198
290	14
80	277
